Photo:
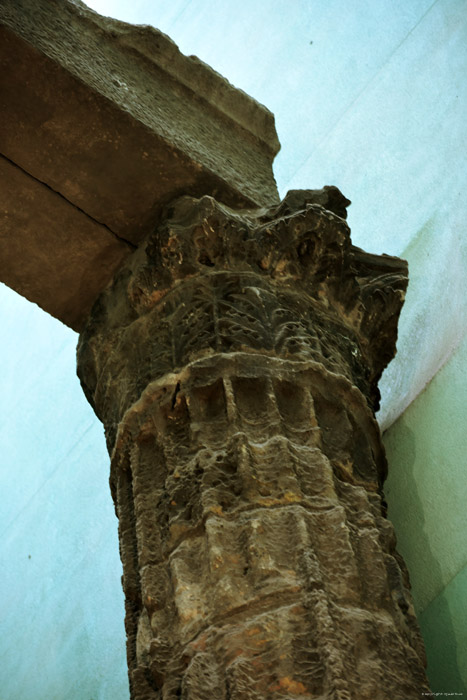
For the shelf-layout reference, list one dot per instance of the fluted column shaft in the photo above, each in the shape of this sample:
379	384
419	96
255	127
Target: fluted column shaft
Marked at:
234	363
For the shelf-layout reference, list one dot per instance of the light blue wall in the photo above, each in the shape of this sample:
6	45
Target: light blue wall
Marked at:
61	603
375	104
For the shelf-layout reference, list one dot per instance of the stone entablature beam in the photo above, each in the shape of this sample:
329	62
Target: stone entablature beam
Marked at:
115	120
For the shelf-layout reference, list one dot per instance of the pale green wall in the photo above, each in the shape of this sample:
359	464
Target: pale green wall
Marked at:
427	495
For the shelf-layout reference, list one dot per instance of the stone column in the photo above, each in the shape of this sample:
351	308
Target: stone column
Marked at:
234	362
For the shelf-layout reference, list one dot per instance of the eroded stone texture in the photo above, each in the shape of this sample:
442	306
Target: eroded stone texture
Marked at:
234	363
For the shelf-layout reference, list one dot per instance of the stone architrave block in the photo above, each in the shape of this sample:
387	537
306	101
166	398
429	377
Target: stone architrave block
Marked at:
112	122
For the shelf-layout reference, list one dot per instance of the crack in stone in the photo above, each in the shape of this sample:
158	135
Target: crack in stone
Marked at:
65	199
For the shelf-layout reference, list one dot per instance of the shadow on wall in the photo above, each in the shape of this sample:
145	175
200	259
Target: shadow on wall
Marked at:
438	624
407	513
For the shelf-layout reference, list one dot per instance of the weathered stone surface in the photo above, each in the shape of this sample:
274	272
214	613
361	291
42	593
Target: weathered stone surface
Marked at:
234	362
118	122
73	269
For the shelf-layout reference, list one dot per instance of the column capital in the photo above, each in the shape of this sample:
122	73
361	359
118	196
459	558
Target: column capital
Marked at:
283	281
